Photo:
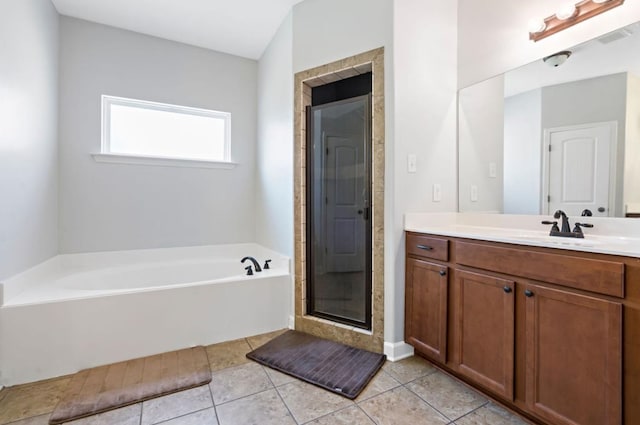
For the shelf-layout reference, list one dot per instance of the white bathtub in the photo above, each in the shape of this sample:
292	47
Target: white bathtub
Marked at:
82	310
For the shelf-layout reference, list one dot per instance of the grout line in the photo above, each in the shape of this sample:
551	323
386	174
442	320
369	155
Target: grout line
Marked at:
286	405
215	411
468	413
365	412
331	413
358	403
429	404
243	397
182	416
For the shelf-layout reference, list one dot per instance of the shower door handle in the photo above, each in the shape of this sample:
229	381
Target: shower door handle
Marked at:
364	212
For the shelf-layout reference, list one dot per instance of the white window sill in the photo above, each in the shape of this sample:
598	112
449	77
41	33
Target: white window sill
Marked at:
113	158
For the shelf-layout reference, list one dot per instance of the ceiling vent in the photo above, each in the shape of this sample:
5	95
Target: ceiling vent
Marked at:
615	35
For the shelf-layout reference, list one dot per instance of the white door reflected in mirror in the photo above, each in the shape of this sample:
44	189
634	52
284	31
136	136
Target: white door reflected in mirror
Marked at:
578	167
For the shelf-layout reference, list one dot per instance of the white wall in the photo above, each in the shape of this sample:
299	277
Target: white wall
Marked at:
523	153
632	143
274	162
425	63
480	143
494	38
113	206
28	139
328	30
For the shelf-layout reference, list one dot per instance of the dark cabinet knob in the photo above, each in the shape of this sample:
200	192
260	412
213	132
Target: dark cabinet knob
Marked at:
507	289
528	293
443	273
424	247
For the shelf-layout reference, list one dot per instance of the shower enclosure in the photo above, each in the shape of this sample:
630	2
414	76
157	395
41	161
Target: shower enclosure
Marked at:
338	211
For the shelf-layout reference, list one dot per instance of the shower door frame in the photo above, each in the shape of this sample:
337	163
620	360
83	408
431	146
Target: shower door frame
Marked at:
371	61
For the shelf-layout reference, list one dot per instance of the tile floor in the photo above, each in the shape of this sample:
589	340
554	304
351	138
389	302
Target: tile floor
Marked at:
243	392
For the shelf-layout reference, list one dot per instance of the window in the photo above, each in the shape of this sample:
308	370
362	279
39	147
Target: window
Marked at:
142	132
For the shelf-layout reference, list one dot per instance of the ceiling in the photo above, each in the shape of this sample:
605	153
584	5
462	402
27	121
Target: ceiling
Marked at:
238	27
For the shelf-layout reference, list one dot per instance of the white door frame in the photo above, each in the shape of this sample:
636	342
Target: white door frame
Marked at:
613	162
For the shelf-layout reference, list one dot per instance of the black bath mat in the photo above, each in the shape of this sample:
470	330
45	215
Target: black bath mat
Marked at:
336	367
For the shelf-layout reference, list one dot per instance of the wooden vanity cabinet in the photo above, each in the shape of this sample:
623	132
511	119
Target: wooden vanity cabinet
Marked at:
523	332
573	357
426	304
426	298
485	331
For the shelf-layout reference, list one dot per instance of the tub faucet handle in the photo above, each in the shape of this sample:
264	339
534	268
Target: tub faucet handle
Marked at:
266	265
249	271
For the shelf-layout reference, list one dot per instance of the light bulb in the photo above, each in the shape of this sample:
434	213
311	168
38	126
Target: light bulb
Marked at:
566	11
536	26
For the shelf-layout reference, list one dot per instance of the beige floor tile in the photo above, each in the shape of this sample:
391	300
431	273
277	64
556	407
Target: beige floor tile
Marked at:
129	415
258	340
228	354
491	414
380	383
350	416
239	381
408	369
278	378
174	405
36	420
265	408
203	417
449	397
399	407
26	401
307	402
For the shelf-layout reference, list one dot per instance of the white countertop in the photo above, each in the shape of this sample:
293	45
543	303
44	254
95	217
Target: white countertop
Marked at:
616	236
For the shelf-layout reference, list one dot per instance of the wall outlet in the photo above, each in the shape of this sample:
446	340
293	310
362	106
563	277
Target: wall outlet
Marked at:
474	193
437	192
412	163
493	170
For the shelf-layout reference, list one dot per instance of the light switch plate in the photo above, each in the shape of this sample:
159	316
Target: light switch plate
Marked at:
474	193
412	163
437	192
493	170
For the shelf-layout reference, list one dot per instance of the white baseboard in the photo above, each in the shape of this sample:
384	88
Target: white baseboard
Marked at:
397	350
292	322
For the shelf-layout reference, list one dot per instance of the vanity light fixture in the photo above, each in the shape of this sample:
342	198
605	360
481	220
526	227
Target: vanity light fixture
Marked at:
566	11
568	15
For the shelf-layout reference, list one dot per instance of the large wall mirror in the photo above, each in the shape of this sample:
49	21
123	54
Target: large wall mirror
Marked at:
561	133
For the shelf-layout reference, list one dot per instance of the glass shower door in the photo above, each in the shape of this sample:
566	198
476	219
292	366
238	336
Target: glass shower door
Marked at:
338	211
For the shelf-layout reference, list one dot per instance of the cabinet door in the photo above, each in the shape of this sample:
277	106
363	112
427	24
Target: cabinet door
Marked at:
485	322
573	357
426	308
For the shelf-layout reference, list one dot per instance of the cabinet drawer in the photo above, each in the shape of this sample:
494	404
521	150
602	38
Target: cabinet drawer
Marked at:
427	247
602	277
